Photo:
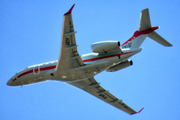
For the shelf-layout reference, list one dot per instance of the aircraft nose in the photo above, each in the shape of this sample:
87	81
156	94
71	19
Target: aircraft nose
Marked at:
9	83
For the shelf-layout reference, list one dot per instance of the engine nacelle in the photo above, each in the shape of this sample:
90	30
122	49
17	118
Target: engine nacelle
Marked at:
104	46
120	66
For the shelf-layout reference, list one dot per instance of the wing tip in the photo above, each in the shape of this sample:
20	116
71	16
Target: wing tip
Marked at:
69	12
140	110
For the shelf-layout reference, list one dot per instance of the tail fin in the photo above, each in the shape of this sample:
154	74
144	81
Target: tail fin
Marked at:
145	30
144	20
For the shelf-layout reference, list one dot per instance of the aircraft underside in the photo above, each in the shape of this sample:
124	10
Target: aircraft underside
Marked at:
79	71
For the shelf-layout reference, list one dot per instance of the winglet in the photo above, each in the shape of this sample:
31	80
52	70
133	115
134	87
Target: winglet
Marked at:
140	110
69	12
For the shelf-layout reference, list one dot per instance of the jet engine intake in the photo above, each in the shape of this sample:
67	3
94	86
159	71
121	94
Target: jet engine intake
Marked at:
120	66
104	46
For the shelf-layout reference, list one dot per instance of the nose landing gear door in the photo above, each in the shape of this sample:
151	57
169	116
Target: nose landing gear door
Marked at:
36	70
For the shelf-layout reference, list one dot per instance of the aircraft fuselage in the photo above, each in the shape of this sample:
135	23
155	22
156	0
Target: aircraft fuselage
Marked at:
94	62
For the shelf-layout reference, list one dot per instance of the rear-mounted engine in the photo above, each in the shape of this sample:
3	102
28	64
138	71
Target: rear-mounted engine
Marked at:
120	66
104	46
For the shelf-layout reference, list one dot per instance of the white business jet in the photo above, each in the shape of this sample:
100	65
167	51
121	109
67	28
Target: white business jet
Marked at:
79	71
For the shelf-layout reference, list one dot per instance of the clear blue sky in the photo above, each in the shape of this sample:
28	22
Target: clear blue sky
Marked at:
30	33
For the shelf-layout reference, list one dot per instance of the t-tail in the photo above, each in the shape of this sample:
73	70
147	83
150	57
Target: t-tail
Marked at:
145	30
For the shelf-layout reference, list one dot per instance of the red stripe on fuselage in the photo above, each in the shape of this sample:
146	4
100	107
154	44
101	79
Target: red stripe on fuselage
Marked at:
93	59
31	71
138	33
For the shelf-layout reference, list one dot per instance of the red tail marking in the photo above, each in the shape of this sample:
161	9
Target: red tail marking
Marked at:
138	33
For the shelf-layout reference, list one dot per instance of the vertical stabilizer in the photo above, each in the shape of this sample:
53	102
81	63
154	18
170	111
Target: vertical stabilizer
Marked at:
144	20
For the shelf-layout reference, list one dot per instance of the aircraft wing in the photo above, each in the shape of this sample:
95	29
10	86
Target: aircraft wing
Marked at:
69	56
91	86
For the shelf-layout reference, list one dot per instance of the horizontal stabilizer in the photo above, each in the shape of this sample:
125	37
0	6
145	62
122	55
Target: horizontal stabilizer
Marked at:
156	37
